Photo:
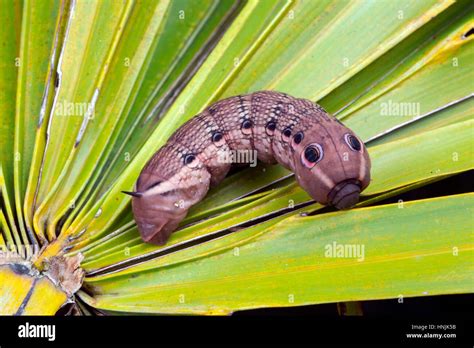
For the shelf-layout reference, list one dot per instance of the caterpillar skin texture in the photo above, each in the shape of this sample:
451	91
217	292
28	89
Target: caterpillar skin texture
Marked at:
329	161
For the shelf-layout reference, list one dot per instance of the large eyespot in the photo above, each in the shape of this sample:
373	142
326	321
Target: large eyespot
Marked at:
311	155
188	159
353	142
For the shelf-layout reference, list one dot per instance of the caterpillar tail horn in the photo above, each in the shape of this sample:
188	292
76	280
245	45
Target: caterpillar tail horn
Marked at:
133	194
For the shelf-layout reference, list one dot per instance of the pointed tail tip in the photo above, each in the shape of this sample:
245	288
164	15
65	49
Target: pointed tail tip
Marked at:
133	194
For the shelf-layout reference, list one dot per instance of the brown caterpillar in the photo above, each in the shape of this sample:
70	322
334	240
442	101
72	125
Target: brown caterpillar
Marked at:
329	161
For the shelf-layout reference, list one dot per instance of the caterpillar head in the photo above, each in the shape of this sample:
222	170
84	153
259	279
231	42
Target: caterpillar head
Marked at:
331	163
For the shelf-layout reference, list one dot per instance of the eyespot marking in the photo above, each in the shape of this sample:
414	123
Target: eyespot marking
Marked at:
298	137
270	127
311	155
189	158
216	137
352	142
247	124
246	127
287	132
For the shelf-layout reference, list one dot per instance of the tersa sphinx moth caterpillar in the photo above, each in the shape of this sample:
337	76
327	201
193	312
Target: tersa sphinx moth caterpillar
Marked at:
329	161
